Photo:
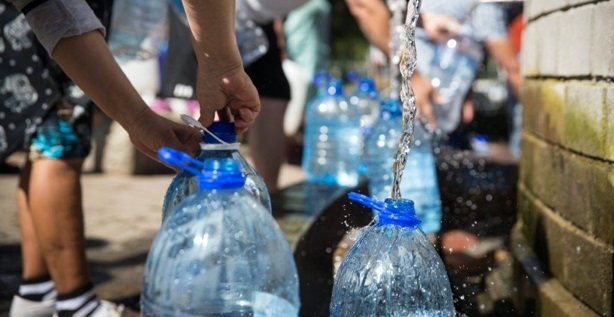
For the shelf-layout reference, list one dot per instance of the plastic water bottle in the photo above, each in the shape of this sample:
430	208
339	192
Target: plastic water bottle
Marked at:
221	143
366	99
453	69
392	269
251	39
220	253
138	29
333	139
419	181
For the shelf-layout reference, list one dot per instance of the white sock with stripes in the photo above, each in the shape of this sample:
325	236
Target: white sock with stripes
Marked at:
79	303
37	289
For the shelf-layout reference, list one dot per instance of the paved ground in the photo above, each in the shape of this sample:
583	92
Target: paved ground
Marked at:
122	216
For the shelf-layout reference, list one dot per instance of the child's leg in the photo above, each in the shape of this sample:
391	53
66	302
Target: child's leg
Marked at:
57	215
34	265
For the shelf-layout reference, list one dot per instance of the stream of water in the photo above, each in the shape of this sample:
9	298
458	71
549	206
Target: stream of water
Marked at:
405	58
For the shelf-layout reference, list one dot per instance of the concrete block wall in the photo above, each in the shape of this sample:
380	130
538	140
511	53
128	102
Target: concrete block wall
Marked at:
566	187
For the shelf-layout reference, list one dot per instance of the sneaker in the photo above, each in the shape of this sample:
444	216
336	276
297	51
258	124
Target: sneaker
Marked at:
106	309
21	307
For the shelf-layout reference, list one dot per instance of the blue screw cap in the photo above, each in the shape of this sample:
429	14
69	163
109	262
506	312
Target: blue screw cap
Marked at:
399	212
225	131
211	174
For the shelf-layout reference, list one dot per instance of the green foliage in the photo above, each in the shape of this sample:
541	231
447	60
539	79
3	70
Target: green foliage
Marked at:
348	45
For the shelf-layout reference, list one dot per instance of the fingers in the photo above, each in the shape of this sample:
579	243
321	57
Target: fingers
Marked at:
425	109
468	111
225	115
206	116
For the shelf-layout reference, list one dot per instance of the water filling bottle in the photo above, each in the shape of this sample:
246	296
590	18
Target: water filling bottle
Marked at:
392	269
419	181
138	29
452	71
219	253
333	138
219	142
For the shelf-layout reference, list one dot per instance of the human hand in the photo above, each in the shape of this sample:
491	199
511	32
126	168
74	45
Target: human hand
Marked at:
439	27
425	93
149	132
230	93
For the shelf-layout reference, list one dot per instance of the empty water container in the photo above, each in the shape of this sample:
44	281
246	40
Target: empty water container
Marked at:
366	99
392	269
333	139
419	181
251	39
452	71
219	253
219	142
138	29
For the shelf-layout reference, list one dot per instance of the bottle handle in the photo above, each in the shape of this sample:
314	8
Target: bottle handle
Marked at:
179	159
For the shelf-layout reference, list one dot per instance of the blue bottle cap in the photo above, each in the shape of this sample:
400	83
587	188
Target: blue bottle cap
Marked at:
221	129
211	174
221	174
399	212
335	88
321	78
367	85
391	107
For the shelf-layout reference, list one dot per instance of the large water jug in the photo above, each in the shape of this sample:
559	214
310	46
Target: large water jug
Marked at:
138	29
219	142
419	181
219	253
392	269
333	139
453	69
251	39
366	98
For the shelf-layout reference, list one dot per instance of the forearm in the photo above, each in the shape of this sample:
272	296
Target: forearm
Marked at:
373	19
505	54
87	60
212	25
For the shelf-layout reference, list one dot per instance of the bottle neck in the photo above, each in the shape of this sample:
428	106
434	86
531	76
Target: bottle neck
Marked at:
220	146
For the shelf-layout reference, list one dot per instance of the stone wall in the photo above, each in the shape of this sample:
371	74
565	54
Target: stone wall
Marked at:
564	239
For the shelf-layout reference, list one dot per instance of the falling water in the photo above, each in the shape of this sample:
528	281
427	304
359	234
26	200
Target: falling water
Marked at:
406	64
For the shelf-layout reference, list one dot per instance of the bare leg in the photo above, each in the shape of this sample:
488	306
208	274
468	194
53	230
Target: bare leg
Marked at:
267	140
34	265
57	214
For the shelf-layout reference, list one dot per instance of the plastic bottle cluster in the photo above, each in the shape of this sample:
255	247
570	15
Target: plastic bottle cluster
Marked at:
219	251
347	137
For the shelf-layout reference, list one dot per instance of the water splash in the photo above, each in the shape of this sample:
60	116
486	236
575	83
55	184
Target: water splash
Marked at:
397	8
407	65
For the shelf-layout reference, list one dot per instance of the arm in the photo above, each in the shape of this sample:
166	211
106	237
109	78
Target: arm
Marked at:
221	82
373	18
87	60
503	51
